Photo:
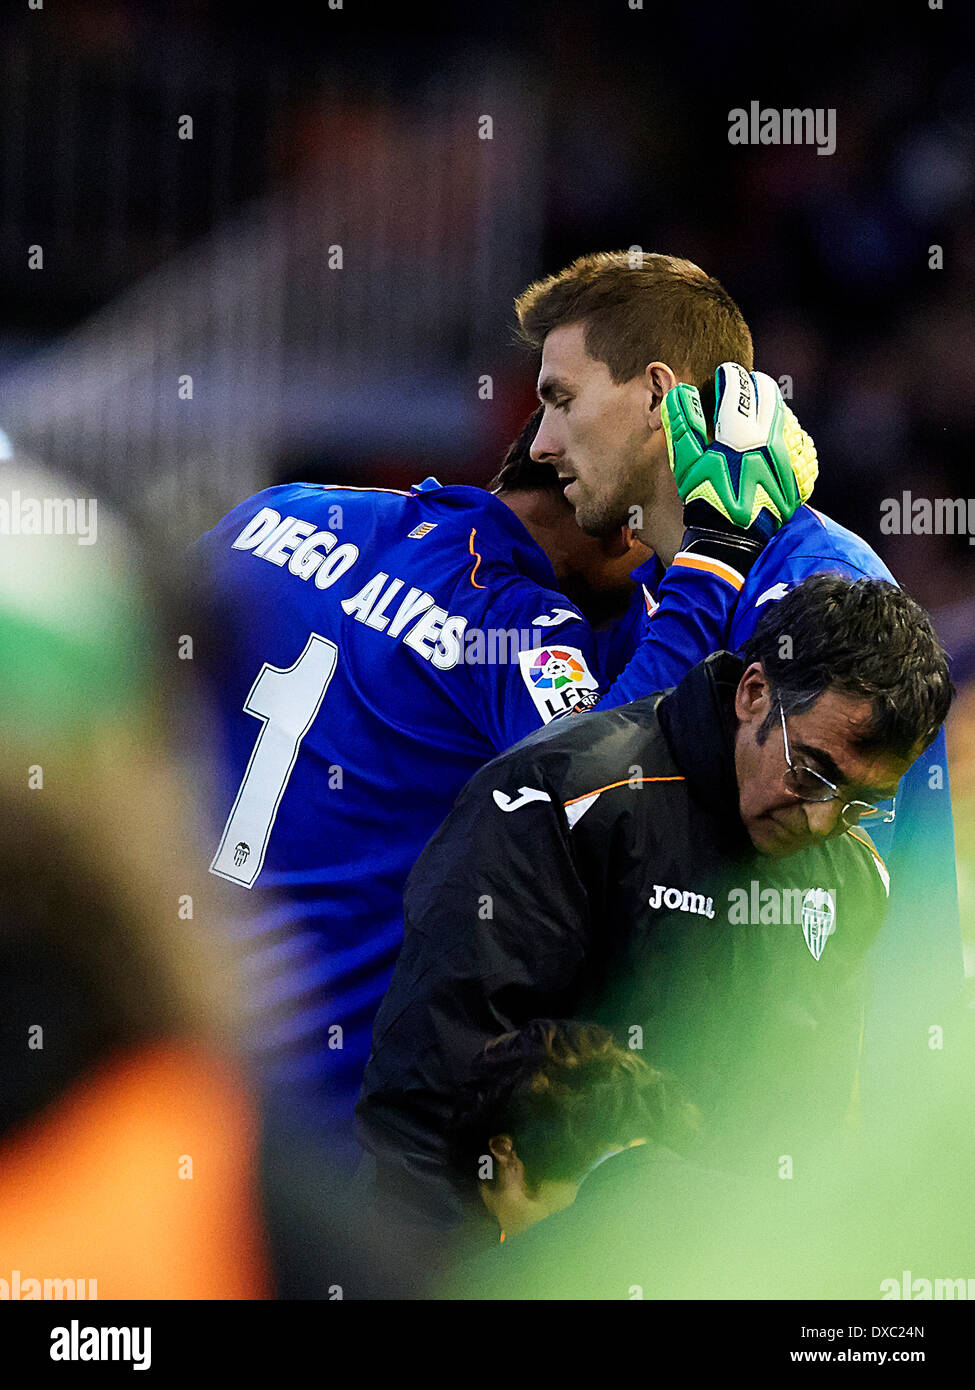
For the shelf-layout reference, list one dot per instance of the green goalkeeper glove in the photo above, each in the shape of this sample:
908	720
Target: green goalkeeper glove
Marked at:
738	491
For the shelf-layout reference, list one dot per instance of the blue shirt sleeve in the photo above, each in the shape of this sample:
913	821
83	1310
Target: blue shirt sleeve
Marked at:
695	603
759	591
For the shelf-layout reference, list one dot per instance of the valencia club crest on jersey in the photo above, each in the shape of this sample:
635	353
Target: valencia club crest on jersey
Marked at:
818	919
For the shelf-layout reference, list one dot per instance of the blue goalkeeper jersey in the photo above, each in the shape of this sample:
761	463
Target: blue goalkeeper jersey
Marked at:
371	650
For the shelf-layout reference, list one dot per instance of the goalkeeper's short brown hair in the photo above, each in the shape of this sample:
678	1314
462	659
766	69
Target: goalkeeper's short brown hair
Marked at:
640	307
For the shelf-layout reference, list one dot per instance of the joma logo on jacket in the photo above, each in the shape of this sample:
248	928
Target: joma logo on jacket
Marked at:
681	901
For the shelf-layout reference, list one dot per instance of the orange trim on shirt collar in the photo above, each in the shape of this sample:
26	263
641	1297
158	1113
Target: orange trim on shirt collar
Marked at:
474	552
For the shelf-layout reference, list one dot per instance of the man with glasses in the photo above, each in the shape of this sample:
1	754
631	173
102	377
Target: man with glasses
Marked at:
809	785
686	869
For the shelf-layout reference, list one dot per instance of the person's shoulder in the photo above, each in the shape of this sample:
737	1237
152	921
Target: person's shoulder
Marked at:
467	506
606	733
497	540
320	502
814	541
583	755
470	532
810	543
459	538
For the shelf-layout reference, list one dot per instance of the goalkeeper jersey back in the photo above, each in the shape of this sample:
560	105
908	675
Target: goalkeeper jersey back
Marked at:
369	650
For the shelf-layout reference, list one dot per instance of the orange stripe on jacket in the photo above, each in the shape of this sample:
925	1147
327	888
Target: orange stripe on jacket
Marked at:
697	562
626	782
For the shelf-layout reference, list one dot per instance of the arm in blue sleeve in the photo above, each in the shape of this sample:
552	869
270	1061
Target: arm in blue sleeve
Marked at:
693	618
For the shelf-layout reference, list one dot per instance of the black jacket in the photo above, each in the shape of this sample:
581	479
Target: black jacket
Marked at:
600	869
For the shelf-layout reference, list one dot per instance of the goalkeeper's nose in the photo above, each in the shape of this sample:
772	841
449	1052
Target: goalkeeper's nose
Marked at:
546	448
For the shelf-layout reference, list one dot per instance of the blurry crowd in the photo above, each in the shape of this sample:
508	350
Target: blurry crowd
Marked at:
854	267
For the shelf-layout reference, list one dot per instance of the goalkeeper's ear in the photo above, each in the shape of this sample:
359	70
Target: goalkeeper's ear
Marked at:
659	380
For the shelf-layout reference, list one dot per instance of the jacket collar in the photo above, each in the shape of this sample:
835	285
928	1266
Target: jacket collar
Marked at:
698	721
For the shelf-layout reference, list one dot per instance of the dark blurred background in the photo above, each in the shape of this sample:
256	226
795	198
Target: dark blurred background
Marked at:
332	257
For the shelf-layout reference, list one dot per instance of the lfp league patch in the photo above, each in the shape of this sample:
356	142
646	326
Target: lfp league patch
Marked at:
557	678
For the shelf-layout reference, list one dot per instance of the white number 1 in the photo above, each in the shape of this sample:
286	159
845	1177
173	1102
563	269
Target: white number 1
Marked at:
288	702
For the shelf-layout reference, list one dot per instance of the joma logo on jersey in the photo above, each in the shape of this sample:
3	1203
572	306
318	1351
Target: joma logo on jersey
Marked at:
556	618
681	900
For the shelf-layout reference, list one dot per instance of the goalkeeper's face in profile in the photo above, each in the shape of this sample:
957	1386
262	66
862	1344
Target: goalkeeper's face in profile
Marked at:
606	441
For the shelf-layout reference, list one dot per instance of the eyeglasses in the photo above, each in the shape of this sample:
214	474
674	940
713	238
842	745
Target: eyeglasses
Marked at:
808	785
